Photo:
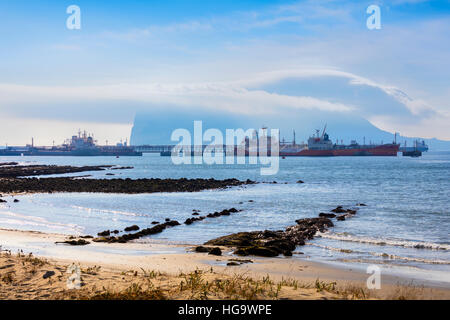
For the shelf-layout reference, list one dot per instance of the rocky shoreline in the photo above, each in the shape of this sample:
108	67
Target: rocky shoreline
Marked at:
13	170
127	186
19	179
265	243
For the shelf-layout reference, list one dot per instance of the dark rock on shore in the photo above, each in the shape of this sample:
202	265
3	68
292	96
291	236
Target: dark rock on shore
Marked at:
257	251
8	164
216	214
128	186
132	228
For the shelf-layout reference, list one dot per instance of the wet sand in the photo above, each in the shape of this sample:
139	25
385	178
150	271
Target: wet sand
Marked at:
124	264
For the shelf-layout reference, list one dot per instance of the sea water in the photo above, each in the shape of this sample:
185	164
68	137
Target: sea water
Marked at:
404	228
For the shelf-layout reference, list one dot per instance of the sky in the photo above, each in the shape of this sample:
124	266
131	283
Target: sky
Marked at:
245	57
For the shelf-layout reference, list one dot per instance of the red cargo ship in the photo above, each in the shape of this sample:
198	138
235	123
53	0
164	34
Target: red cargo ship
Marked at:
321	146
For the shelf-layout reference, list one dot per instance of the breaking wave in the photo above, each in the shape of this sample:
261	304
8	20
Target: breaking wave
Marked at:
385	242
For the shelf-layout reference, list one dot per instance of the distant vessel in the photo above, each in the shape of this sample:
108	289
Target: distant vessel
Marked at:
81	145
321	146
317	146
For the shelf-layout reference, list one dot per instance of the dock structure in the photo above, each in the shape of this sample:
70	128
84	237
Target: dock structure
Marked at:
166	150
153	148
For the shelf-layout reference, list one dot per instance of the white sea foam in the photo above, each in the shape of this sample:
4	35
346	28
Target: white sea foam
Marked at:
125	213
382	255
385	242
396	257
12	218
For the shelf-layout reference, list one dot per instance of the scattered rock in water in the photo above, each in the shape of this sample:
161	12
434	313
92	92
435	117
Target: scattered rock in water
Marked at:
241	261
132	228
110	174
361	205
172	223
202	249
79	242
339	209
215	251
16	200
195	214
3	201
327	215
104	233
257	251
347	213
251	201
122	168
300	181
14	182
232	263
115	231
167	219
155	222
273	243
48	274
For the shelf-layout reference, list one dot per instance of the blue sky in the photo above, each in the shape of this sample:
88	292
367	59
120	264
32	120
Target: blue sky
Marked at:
241	56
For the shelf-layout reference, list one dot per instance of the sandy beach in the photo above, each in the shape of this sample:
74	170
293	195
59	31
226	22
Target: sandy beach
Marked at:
163	271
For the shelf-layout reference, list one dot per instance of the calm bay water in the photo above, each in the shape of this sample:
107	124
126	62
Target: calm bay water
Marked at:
404	228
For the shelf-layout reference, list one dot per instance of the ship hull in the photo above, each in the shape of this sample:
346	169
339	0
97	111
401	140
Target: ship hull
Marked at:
381	151
73	153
